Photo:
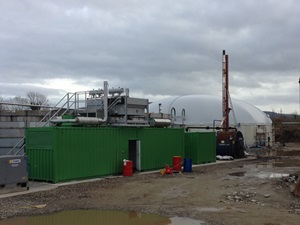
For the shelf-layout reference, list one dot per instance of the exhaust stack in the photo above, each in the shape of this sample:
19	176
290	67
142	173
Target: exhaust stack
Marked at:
225	91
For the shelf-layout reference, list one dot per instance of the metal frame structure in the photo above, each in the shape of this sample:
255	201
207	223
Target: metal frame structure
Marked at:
105	106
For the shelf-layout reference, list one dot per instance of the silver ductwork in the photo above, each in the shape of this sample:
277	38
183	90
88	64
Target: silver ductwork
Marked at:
111	91
88	121
60	121
154	122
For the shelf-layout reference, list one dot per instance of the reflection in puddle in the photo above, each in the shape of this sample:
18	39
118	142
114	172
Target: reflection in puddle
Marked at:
95	217
271	175
273	169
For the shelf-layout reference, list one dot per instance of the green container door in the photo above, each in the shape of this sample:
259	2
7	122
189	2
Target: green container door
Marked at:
200	147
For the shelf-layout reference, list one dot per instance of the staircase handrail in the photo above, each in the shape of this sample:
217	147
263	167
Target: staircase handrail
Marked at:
55	107
47	115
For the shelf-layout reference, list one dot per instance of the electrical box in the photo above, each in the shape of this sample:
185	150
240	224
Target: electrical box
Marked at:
13	173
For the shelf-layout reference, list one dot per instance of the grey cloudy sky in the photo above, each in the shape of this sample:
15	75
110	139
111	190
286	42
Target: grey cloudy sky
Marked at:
156	48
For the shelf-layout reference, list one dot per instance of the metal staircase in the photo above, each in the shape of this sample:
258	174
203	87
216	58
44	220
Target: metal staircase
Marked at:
71	103
96	104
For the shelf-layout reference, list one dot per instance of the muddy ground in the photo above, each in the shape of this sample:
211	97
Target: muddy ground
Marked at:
235	192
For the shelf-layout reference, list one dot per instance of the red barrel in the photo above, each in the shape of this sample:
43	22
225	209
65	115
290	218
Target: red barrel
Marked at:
177	163
127	168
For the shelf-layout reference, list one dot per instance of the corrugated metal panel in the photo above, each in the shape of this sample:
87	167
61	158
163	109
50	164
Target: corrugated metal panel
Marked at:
40	138
159	145
200	147
68	153
39	149
40	162
76	153
90	152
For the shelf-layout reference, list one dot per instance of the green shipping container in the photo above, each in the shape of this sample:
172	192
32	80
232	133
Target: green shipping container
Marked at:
200	147
69	153
159	145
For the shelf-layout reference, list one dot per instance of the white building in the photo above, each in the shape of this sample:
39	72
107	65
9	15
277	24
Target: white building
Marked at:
203	110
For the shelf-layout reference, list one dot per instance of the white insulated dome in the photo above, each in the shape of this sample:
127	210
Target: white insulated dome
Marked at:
204	109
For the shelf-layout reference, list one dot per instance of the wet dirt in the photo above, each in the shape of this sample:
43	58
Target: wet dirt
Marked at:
225	193
92	217
238	174
287	163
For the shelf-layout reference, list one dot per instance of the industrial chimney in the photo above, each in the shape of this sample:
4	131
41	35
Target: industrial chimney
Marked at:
225	91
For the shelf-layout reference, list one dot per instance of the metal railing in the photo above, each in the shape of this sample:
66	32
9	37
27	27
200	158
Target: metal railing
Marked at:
66	104
70	103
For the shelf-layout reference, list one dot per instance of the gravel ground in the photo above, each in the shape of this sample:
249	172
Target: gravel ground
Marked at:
226	193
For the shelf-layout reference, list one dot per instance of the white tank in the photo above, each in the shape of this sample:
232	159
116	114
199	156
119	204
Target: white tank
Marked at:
203	110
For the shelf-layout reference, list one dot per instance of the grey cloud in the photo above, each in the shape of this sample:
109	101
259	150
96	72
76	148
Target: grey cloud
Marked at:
152	47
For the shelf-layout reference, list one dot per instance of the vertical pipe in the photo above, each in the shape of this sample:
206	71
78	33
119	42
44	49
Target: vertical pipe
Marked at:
299	98
126	109
223	85
105	84
76	101
227	91
85	104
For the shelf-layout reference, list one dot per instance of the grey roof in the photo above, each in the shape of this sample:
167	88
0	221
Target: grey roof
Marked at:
204	109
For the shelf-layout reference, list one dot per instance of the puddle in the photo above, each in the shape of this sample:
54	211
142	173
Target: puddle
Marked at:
238	174
259	174
95	217
273	169
264	175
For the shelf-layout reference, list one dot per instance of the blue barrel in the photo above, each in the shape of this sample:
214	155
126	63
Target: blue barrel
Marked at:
187	165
